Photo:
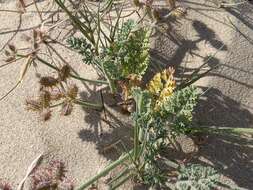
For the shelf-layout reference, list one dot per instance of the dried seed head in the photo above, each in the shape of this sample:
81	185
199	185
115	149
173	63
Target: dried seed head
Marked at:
64	73
12	48
58	169
42	178
45	114
33	105
45	98
72	91
4	185
56	94
50	177
48	81
67	108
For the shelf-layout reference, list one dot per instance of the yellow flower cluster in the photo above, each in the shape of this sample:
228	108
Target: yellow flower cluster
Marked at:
162	86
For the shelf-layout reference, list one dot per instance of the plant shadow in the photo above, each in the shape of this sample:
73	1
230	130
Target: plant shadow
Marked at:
170	49
109	130
229	154
216	109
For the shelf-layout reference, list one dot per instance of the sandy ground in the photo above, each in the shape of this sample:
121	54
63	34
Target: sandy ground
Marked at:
78	140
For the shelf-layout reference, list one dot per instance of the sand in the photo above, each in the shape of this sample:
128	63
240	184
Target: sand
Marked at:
78	139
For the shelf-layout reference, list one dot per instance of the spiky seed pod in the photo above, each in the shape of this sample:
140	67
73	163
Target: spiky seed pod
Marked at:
64	73
48	81
12	48
46	114
67	108
33	105
72	91
56	94
45	98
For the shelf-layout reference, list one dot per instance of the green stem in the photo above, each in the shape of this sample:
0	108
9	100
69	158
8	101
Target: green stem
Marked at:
89	80
71	75
88	104
106	170
120	175
121	182
85	31
136	142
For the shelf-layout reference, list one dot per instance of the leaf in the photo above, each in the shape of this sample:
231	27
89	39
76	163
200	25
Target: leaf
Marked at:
84	48
179	108
197	177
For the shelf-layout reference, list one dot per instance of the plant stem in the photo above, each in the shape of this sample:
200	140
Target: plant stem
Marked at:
71	75
106	170
121	182
88	104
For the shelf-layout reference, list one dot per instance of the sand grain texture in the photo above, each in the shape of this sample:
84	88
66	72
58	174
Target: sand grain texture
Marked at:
77	139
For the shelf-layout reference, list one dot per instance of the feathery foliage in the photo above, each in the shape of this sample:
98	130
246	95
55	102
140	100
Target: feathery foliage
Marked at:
197	177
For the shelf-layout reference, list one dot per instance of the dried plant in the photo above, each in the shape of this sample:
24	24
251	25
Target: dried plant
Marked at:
51	177
4	185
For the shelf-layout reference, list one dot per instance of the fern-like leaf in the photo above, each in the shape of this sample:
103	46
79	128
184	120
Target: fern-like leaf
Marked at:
178	109
83	48
197	177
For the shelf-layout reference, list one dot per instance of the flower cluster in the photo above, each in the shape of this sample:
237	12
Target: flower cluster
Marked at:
162	86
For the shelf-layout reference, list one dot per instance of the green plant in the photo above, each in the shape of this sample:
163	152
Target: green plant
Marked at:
155	117
196	176
128	54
